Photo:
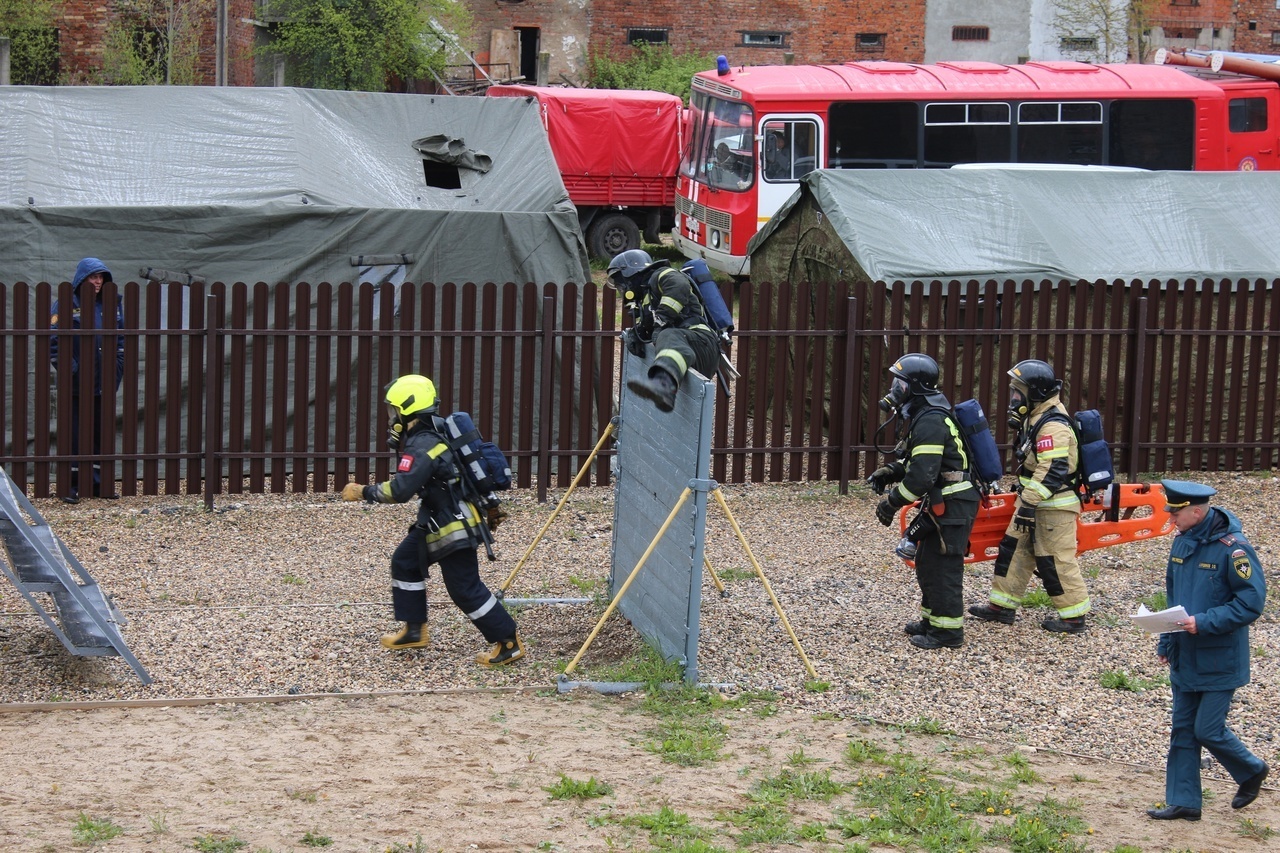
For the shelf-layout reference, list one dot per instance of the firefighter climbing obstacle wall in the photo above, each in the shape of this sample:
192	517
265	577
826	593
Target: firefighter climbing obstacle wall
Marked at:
659	456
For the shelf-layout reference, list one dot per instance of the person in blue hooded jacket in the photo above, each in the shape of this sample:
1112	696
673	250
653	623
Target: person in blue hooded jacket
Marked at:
100	352
1213	572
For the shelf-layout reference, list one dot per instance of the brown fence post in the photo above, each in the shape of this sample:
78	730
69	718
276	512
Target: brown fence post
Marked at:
211	426
544	396
846	409
1136	382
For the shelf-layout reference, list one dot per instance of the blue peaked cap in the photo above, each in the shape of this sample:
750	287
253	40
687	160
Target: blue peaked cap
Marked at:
1182	493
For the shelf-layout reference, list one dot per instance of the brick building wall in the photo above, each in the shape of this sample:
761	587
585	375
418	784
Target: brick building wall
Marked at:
563	28
822	32
83	23
1258	27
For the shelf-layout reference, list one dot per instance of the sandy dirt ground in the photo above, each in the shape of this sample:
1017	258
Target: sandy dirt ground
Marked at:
468	771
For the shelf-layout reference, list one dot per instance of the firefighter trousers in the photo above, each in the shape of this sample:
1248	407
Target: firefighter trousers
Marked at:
1049	554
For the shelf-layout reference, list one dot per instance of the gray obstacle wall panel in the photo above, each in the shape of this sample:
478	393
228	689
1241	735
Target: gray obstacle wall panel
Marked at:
659	455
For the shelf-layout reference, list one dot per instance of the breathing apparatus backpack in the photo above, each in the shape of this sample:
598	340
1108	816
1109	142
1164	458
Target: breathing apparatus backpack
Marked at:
717	311
482	464
1094	470
984	455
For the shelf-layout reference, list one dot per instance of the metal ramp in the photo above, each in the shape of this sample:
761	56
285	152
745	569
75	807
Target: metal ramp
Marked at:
86	621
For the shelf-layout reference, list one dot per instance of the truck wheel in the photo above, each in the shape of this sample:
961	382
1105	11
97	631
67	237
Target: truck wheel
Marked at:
611	234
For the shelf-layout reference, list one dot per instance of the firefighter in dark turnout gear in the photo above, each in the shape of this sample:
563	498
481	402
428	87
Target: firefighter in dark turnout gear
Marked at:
446	532
668	312
933	468
1041	538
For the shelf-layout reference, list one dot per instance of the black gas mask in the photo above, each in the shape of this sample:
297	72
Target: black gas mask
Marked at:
896	398
1019	407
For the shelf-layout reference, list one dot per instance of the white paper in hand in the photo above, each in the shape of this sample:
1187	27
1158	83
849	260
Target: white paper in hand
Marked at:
1164	622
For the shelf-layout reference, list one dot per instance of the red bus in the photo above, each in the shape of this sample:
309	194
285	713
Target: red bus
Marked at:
754	131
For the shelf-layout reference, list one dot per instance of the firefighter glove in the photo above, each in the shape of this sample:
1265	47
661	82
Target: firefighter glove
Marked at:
493	516
635	345
885	511
1025	520
882	477
352	492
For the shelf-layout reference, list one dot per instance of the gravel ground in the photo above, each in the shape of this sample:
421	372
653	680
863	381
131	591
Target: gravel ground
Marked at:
281	594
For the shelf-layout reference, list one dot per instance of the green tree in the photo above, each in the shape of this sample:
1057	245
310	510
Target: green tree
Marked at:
651	66
1119	28
365	45
154	42
31	26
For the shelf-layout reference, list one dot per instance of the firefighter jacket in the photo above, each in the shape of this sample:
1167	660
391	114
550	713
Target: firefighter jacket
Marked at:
936	466
669	300
1049	459
1213	572
424	468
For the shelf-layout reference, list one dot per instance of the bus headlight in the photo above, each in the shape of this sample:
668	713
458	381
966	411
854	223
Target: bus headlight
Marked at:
714	240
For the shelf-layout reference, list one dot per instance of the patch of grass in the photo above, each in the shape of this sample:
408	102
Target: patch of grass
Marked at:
789	785
1248	828
587	586
817	686
924	726
1119	680
666	828
315	839
572	789
292	579
1047	827
301	796
1156	601
1037	598
91	830
799	759
735	573
416	847
860	751
159	824
761	823
218	843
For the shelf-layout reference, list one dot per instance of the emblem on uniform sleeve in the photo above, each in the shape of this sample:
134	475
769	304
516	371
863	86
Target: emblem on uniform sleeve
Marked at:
1043	443
1240	562
406	463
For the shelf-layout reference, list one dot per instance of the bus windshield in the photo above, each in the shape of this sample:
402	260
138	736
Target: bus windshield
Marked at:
721	151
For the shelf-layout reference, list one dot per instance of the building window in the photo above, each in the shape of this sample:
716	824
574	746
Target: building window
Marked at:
646	35
1184	3
871	42
971	34
764	39
1079	43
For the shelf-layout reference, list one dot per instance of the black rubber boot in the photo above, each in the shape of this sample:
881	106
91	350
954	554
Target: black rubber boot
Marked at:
916	629
411	636
993	613
659	386
939	639
1075	625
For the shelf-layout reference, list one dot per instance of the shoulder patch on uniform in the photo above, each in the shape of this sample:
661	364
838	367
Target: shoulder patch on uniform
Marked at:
1229	539
1043	443
1241	563
406	463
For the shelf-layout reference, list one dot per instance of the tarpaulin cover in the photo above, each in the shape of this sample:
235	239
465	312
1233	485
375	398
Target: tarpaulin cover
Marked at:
1042	223
279	184
600	132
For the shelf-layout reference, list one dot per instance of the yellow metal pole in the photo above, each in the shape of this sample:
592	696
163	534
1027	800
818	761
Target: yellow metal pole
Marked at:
608	431
760	572
684	496
714	577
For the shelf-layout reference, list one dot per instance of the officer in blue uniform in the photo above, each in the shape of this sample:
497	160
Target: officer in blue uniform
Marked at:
1214	574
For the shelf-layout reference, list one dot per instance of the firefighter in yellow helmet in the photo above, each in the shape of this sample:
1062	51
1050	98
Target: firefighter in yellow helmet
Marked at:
1041	538
446	532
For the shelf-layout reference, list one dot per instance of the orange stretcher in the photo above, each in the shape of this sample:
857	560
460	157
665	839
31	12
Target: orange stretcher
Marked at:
1126	512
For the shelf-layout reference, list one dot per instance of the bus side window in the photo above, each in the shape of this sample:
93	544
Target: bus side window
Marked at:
1247	115
1153	134
873	134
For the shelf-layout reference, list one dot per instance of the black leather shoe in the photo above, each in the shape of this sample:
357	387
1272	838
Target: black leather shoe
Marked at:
1174	813
916	629
1249	788
71	498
